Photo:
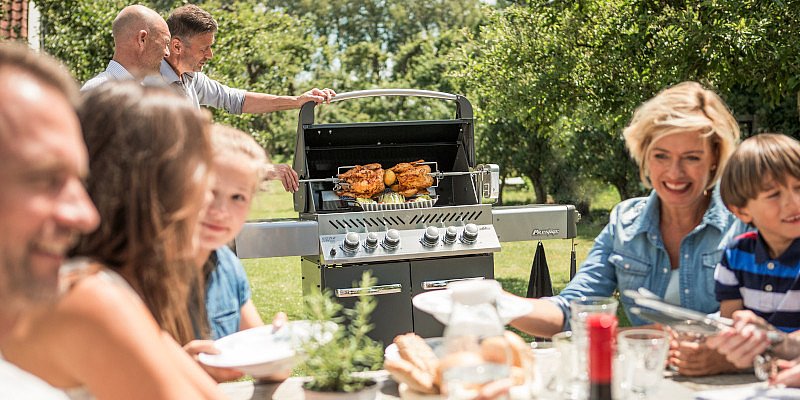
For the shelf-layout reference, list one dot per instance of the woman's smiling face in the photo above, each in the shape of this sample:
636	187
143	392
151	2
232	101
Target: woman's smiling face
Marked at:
679	167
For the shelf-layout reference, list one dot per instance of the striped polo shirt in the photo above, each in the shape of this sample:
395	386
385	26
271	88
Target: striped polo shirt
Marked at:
768	287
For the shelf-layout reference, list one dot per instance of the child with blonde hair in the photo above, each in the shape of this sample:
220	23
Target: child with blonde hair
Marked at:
240	166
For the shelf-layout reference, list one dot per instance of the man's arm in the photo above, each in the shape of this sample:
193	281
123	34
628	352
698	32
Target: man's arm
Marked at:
257	103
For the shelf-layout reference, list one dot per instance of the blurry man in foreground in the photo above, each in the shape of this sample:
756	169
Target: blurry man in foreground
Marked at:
43	204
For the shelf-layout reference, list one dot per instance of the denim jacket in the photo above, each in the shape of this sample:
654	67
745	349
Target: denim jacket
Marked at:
227	290
629	253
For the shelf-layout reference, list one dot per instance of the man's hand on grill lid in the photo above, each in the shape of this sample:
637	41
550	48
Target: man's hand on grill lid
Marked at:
285	174
316	95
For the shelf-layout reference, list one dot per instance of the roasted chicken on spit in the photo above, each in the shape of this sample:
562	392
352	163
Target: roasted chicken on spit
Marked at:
362	181
412	178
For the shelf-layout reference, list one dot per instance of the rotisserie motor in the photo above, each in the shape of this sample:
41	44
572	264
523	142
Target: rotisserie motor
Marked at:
362	181
412	178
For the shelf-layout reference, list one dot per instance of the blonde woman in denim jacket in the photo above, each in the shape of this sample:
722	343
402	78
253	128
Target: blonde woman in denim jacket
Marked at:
670	241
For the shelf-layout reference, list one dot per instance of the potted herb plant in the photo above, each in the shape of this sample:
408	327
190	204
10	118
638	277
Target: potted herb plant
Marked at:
334	363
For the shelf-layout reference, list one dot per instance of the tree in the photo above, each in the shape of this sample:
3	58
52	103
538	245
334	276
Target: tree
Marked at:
590	63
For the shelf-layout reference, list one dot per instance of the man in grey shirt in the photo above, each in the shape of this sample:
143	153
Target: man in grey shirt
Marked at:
193	30
141	41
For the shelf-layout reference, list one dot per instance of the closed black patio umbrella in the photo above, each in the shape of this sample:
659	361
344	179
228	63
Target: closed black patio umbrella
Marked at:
539	284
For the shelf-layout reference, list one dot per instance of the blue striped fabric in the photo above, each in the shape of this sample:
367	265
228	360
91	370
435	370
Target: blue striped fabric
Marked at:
768	287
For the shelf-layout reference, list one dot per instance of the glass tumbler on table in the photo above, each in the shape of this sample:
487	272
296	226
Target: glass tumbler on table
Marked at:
568	382
642	356
580	310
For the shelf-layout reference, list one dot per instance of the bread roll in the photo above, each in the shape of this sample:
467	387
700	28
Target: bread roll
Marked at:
404	372
413	349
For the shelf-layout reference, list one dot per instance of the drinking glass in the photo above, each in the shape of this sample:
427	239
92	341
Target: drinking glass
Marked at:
682	336
544	371
642	356
580	310
569	384
465	382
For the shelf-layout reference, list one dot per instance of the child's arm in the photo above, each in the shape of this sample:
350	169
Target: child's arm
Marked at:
727	307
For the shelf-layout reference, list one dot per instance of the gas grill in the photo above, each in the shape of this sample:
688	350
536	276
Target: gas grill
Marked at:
410	247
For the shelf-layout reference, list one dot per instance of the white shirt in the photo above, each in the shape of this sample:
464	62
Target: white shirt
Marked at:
16	384
114	72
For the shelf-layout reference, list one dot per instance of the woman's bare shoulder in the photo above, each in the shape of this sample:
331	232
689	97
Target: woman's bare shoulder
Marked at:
101	303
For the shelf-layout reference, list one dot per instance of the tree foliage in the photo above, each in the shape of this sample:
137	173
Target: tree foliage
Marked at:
553	83
571	73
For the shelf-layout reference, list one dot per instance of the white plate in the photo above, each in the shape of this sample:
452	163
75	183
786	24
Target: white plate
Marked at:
259	352
439	304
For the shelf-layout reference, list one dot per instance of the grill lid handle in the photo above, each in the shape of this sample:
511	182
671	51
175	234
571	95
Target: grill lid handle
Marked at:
463	110
358	94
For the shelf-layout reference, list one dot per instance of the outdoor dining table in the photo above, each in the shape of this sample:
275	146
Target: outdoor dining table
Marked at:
674	387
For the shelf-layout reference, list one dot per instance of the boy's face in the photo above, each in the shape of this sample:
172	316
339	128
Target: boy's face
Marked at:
233	190
775	212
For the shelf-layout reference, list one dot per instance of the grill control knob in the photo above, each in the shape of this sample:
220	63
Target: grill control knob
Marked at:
351	242
431	236
372	241
470	234
450	235
392	239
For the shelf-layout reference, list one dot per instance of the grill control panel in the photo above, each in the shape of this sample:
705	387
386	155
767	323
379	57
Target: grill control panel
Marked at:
431	241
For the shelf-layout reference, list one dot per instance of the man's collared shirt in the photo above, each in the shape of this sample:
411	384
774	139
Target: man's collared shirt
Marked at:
202	90
114	72
769	287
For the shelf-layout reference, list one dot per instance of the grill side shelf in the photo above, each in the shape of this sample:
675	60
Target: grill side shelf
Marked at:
535	222
278	238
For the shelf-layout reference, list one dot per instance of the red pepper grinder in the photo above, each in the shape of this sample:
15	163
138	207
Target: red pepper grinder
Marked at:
601	329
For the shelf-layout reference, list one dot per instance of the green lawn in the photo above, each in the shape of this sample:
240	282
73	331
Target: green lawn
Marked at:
276	281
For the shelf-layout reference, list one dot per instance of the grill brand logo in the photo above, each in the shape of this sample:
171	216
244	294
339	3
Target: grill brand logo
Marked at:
545	232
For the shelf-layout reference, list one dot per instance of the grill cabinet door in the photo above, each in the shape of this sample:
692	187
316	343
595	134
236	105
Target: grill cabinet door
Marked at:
434	272
392	316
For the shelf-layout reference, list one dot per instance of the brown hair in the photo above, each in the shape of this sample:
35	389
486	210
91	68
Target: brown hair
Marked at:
17	59
190	20
685	107
759	160
149	153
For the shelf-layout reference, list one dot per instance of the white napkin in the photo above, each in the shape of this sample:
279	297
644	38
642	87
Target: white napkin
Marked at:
748	393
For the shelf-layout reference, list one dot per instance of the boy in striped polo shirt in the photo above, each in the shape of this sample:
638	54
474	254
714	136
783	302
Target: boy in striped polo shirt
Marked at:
760	270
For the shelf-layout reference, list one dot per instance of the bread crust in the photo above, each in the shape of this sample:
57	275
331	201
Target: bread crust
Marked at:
414	349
